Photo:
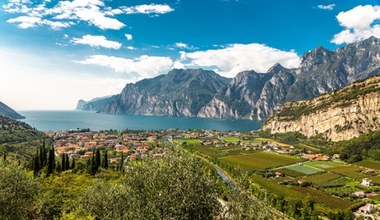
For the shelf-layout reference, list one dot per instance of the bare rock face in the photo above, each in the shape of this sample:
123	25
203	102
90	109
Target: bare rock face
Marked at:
178	93
340	115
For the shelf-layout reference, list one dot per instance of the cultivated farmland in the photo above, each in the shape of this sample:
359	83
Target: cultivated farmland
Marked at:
322	178
259	160
304	169
370	164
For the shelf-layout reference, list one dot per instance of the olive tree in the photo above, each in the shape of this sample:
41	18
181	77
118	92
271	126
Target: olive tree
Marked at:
176	186
17	191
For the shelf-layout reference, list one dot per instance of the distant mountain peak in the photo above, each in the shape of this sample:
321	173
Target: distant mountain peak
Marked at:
276	68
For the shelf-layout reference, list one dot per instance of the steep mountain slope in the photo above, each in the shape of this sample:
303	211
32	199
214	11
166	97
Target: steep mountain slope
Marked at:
178	93
339	115
18	139
320	71
250	94
8	112
95	104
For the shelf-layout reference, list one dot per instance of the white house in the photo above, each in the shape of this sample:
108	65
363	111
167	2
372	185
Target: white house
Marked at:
367	182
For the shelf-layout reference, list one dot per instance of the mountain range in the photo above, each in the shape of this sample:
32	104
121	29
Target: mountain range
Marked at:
249	95
6	111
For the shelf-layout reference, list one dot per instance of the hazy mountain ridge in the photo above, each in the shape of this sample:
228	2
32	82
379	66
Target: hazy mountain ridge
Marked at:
250	95
339	115
6	111
95	104
178	93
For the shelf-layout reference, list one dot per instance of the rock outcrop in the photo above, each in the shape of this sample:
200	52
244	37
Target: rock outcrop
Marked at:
339	115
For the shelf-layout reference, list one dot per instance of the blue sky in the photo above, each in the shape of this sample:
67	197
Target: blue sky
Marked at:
53	53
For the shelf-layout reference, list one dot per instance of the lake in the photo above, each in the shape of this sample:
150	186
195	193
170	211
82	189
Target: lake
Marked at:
65	120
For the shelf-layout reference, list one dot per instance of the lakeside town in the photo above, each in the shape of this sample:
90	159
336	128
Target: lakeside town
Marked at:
292	167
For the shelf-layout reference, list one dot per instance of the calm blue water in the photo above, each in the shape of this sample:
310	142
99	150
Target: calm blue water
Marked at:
64	120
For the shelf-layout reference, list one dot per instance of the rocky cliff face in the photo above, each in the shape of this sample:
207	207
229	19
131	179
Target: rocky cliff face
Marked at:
178	93
6	111
340	115
250	95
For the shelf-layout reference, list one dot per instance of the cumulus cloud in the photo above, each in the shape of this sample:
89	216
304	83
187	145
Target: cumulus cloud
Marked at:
235	58
329	7
359	23
129	37
97	41
137	68
148	9
66	13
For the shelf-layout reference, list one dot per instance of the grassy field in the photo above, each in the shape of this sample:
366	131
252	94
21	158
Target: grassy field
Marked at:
349	171
324	199
289	172
259	160
370	164
323	164
231	139
304	169
271	141
290	193
214	151
273	187
322	178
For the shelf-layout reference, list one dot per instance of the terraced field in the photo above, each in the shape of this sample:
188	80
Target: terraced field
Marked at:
259	160
349	171
369	164
322	178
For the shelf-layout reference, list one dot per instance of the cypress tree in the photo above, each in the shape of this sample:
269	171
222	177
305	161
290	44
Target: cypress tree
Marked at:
36	166
121	167
72	164
97	159
41	156
105	160
53	157
93	165
63	162
67	162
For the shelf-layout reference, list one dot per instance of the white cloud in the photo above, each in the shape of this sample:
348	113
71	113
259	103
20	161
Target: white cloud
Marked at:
148	9
131	48
360	23
129	36
97	41
184	46
138	68
239	57
329	7
94	12
25	22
